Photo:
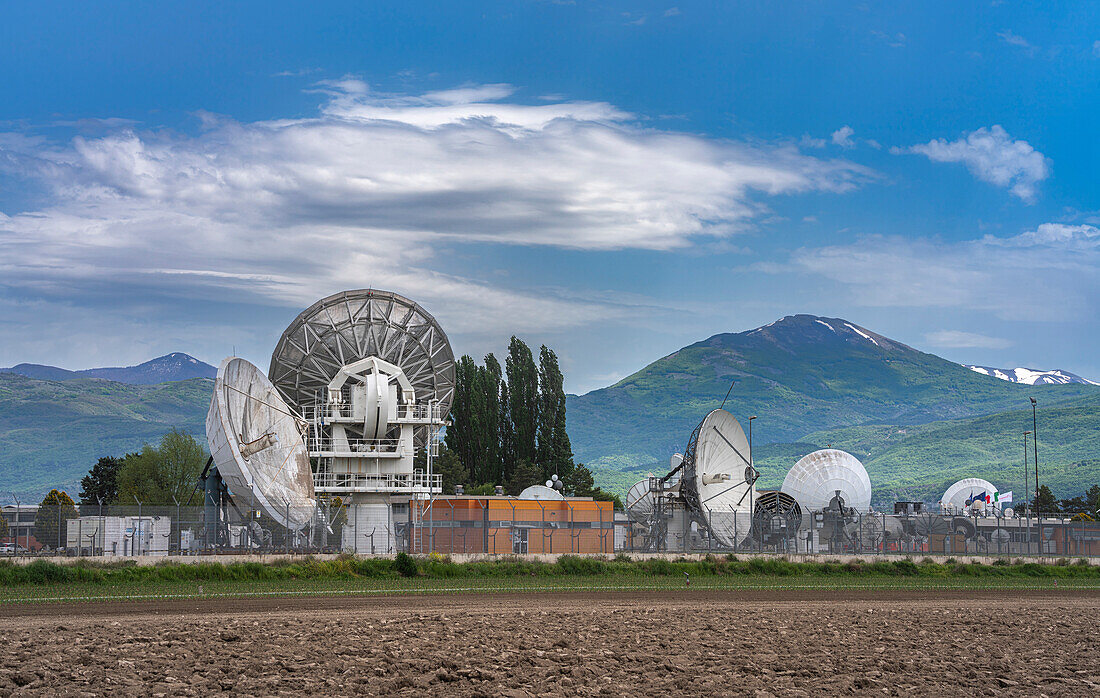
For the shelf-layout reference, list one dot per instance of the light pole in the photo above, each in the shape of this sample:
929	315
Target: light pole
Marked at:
752	475
1027	494
1035	443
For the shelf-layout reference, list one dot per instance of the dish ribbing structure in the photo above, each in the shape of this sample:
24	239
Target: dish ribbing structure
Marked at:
373	374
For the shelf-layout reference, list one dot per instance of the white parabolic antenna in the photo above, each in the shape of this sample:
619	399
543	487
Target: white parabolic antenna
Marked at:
815	478
256	442
719	481
351	326
954	499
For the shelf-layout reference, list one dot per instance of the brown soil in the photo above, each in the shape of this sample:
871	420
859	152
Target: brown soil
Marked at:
783	643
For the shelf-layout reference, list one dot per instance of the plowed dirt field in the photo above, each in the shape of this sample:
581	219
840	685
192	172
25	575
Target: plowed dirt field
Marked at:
690	642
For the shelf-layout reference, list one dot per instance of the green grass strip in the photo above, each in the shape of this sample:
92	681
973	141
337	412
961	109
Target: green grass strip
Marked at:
90	580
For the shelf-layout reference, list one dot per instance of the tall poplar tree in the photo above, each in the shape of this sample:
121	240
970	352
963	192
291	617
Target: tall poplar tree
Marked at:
460	434
555	452
492	378
523	402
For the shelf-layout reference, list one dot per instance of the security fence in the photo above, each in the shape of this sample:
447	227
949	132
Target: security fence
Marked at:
676	530
511	526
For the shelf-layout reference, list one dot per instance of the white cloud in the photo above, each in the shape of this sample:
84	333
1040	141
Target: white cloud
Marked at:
843	137
672	12
1013	39
1096	48
1049	274
375	190
992	156
957	339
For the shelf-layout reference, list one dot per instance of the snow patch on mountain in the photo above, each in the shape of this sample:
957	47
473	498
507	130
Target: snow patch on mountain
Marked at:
861	333
1030	376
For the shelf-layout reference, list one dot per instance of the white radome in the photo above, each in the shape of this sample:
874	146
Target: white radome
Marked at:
257	445
815	478
954	499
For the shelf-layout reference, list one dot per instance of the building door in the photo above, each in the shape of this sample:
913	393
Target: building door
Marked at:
519	541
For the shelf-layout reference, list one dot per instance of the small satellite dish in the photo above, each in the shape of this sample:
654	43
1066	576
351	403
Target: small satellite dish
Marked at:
814	480
639	501
1009	513
256	442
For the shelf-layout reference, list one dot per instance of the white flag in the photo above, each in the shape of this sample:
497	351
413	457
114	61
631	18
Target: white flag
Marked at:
1003	497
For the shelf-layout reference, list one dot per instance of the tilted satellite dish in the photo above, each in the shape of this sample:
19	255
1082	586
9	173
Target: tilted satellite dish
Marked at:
257	444
349	327
814	480
639	501
718	483
954	500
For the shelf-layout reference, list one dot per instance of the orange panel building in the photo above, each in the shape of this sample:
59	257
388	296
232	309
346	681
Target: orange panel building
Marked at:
507	525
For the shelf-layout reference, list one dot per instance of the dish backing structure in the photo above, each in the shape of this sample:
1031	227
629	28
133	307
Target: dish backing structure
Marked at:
360	383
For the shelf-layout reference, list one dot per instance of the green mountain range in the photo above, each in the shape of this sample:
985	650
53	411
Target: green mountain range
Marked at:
917	421
51	432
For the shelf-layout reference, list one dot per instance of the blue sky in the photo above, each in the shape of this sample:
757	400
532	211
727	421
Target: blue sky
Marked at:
614	179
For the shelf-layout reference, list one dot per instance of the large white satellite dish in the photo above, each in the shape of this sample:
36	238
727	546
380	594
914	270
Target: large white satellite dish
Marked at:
954	499
718	483
350	326
256	442
814	480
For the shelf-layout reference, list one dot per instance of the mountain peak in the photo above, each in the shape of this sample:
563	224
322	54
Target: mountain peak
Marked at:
805	329
1031	376
175	366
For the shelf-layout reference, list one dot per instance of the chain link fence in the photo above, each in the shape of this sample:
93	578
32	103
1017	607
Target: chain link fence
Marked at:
510	526
676	530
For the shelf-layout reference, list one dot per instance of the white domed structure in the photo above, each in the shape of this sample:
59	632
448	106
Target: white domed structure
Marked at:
967	494
541	492
814	480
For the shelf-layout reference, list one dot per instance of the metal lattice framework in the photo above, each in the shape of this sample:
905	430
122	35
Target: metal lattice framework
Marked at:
777	516
352	325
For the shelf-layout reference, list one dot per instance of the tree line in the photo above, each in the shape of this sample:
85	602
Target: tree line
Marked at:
1044	502
507	426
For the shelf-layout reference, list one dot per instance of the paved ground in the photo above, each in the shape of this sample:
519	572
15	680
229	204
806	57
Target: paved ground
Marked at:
759	643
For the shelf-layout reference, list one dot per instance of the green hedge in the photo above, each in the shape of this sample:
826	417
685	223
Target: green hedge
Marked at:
437	566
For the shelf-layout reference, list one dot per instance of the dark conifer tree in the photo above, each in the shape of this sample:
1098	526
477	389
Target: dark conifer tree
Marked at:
523	401
555	452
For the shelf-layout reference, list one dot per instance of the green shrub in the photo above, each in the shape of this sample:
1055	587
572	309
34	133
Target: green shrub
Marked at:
405	565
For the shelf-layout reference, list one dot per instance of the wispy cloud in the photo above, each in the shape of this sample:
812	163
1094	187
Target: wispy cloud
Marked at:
958	339
992	156
895	40
1050	273
1014	39
376	189
843	137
